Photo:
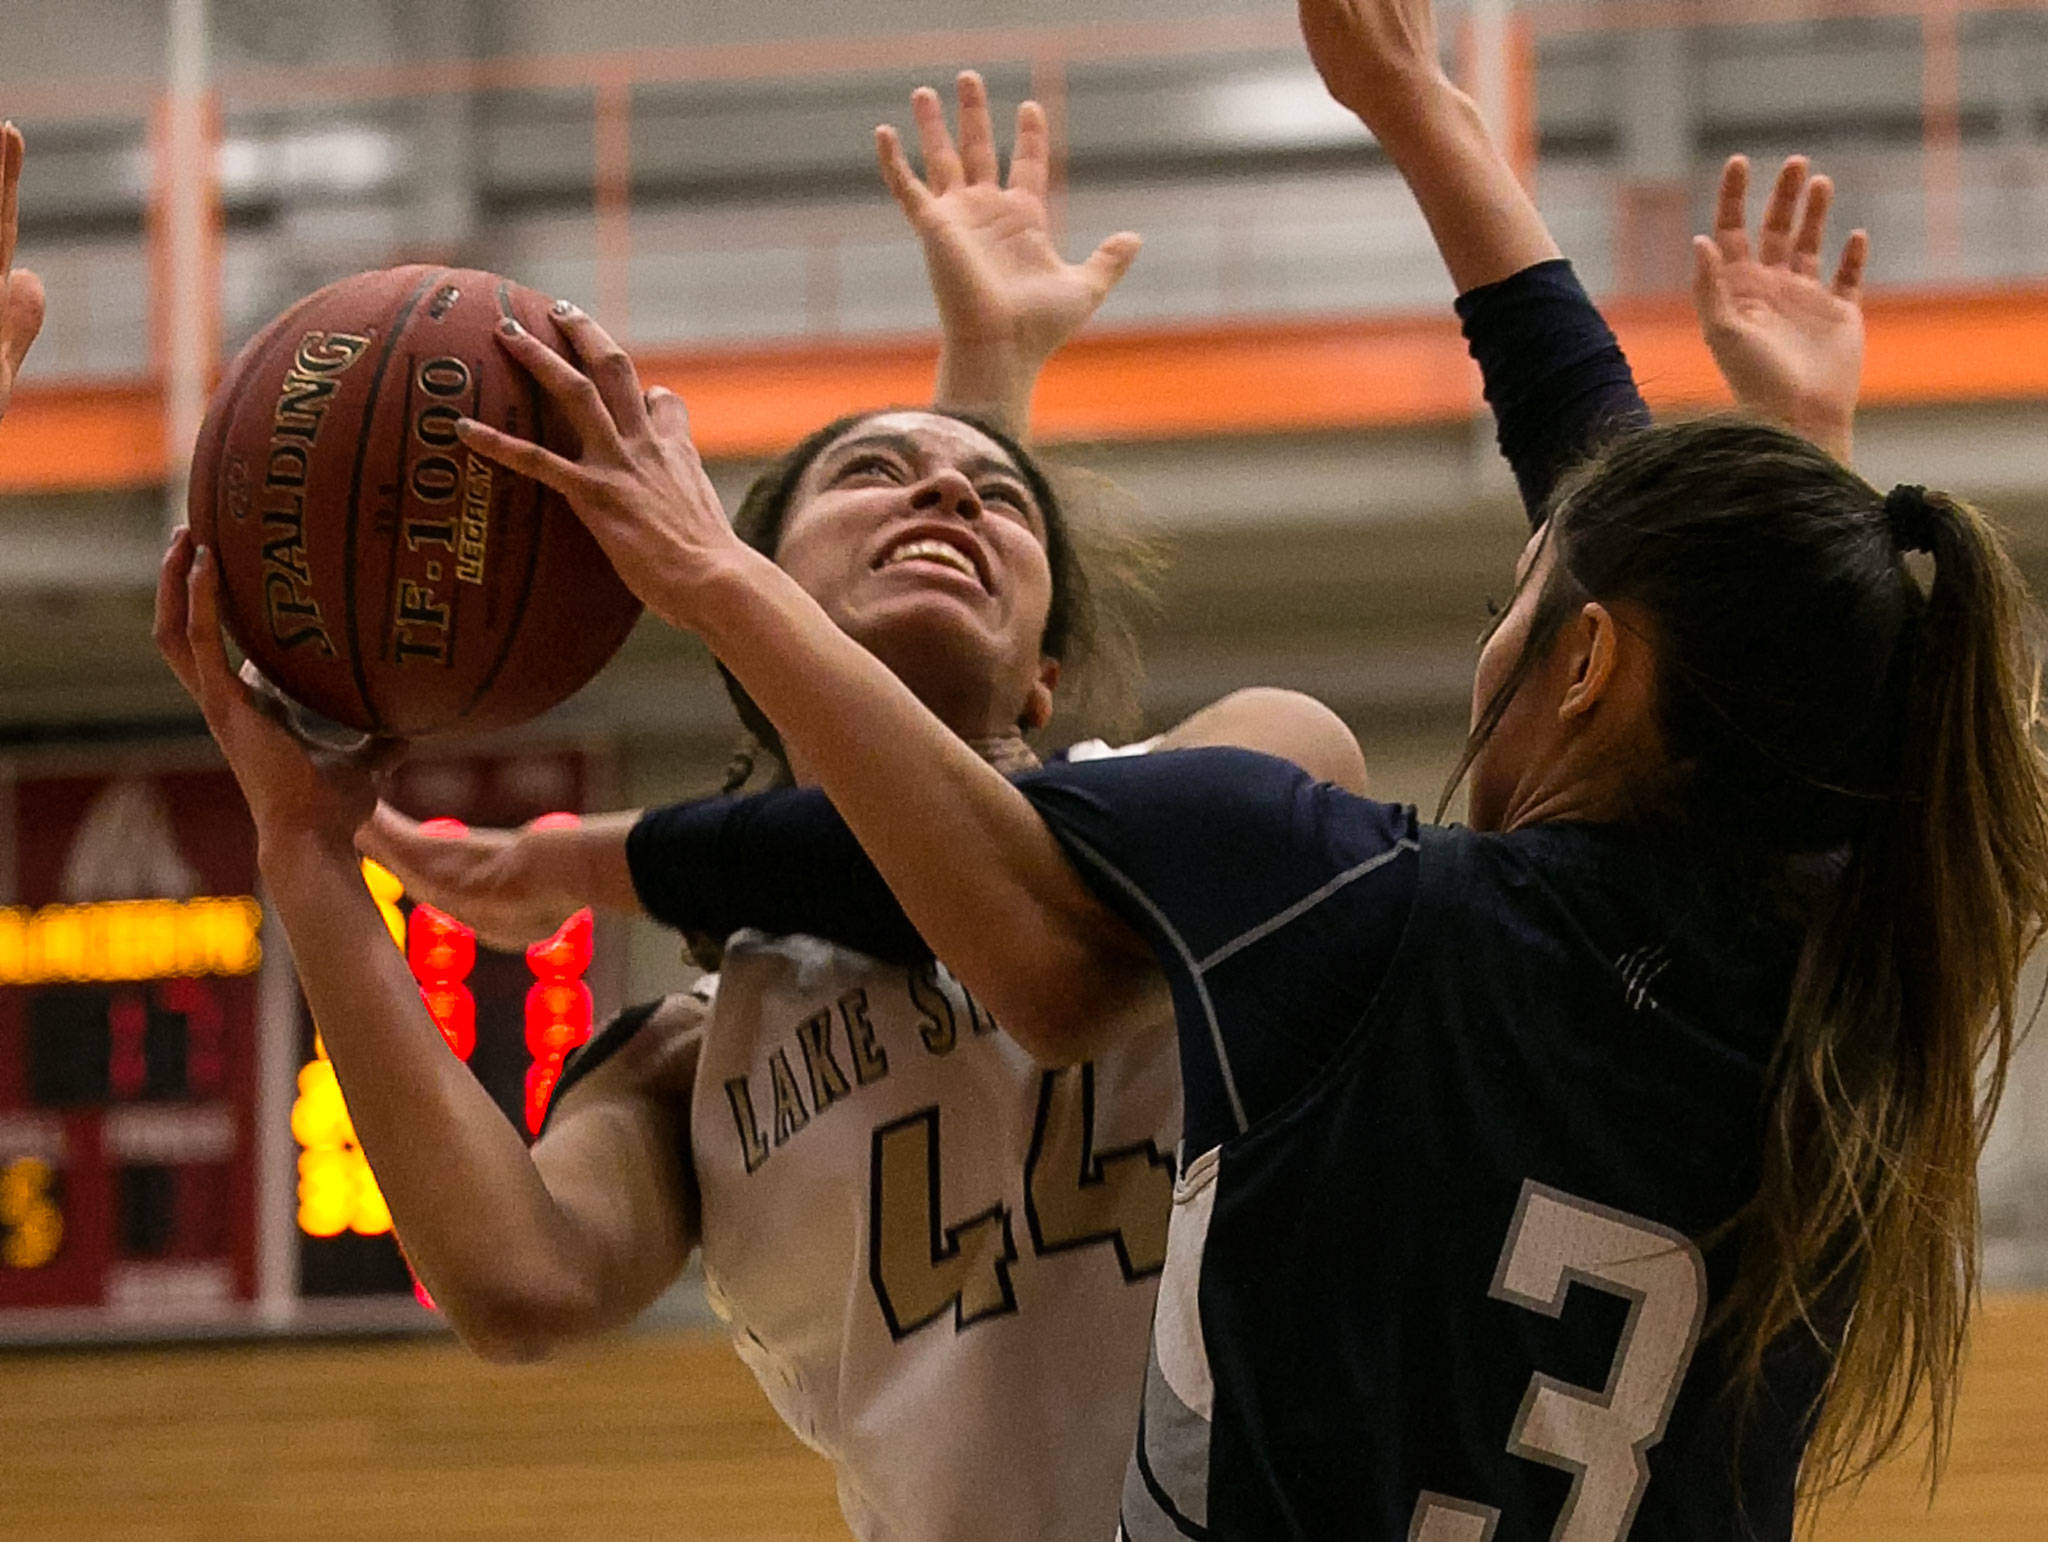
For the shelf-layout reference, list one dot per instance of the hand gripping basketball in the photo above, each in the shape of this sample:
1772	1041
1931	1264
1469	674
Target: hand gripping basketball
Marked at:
293	789
639	484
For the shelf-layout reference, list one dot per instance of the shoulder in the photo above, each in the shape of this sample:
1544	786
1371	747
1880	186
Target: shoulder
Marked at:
647	1049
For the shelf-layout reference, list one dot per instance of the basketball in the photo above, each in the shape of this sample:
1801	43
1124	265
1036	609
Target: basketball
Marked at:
370	566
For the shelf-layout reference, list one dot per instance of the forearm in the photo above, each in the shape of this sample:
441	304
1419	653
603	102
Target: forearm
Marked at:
1556	379
991	379
1827	424
583	864
1484	222
476	1219
976	871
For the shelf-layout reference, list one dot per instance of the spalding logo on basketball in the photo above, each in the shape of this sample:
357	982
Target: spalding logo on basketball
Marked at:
372	567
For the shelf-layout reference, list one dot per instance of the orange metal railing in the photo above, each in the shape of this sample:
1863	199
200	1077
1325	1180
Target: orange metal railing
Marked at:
1194	378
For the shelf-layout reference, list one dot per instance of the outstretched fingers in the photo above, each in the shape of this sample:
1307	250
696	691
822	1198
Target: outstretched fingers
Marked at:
1031	152
1709	295
942	168
1813	228
977	133
23	298
21	294
1774	238
1110	261
904	185
1731	210
11	151
1849	273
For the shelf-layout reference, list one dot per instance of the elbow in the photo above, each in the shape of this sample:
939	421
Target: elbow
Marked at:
521	1324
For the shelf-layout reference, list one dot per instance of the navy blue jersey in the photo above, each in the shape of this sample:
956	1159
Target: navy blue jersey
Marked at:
1467	1115
1456	1285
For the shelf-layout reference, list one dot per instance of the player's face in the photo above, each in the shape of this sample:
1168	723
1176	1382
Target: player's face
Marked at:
921	539
1522	735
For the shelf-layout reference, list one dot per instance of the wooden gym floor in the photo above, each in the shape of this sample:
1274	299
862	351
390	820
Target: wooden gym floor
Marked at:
656	1436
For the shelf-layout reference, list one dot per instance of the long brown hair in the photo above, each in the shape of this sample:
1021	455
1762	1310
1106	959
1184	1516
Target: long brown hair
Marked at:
1869	738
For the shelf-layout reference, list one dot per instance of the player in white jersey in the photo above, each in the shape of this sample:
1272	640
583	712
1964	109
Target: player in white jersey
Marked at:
938	1258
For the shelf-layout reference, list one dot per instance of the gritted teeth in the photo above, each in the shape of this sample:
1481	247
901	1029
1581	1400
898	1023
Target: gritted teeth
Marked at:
932	549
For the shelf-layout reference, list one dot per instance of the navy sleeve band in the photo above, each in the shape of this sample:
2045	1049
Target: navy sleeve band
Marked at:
781	861
1557	380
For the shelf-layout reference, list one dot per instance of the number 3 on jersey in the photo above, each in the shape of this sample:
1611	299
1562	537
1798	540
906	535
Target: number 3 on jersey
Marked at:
1601	1438
1074	1197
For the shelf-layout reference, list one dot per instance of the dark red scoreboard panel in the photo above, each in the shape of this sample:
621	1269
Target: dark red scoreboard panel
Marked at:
155	1055
129	961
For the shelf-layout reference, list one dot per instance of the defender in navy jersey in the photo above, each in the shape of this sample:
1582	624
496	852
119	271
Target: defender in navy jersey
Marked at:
1583	1174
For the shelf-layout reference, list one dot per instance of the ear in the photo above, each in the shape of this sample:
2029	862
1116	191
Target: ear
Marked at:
1038	700
1591	647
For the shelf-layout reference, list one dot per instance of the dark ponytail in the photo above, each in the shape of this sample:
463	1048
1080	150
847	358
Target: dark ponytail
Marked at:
1903	1018
1859	746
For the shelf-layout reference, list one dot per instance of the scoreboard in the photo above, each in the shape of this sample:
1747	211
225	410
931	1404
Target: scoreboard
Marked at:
175	1155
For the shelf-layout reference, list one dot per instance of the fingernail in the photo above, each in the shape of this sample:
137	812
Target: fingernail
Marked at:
562	307
510	327
465	425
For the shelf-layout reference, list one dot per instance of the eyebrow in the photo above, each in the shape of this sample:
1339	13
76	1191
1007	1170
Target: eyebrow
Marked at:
910	449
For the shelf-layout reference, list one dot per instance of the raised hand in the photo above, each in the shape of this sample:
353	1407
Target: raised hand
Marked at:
1007	298
21	294
1377	57
293	790
1789	344
638	485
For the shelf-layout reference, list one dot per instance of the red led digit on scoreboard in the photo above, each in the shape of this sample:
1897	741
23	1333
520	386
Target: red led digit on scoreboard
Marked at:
558	1006
442	952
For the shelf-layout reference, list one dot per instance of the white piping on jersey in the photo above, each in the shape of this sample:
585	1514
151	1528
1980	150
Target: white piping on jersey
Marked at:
1187	956
1197	968
1302	907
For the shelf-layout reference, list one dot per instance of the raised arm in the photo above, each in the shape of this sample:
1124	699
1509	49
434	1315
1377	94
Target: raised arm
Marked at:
1007	299
520	1249
1379	58
21	292
1554	375
1788	342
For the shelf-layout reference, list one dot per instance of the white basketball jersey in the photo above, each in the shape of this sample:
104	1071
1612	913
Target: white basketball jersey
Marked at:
938	1258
